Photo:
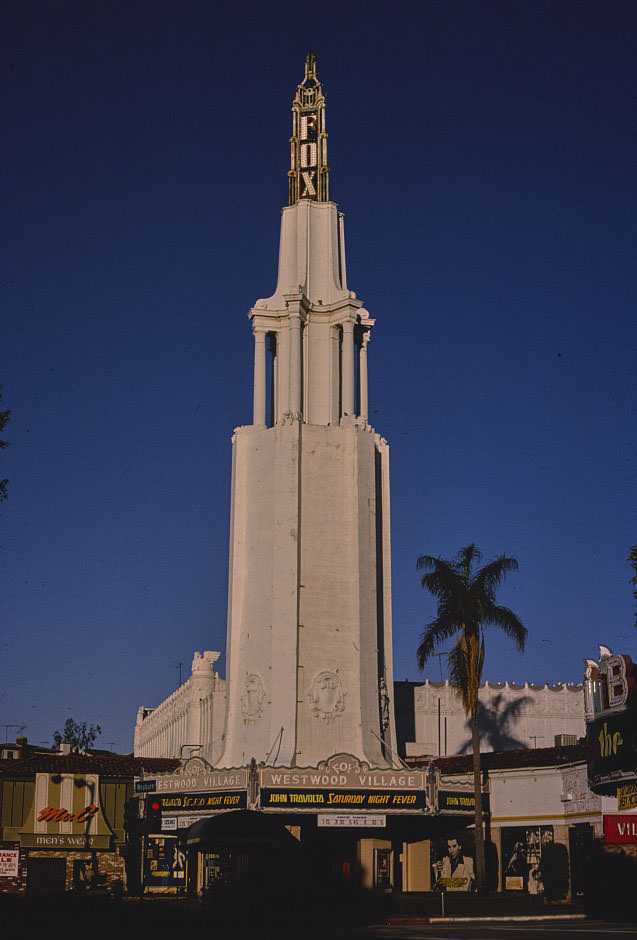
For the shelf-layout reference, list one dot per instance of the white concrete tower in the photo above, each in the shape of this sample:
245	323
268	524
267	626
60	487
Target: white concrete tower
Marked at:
309	658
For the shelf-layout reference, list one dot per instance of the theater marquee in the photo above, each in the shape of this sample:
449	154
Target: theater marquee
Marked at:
341	783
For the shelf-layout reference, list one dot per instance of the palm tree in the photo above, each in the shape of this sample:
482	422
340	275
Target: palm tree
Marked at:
466	605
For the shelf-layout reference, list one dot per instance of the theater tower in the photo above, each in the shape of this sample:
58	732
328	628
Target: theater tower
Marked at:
309	656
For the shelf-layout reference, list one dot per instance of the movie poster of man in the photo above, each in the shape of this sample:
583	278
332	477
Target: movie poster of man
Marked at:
521	855
453	863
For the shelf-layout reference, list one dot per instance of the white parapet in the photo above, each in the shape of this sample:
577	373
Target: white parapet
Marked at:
192	716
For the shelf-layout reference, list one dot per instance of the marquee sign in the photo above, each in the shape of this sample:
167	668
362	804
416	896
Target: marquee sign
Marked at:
203	802
312	800
195	788
460	801
341	783
610	701
194	776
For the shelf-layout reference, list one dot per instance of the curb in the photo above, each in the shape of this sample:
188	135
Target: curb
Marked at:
406	921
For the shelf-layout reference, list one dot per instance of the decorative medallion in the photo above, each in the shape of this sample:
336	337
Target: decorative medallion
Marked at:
326	695
253	698
194	766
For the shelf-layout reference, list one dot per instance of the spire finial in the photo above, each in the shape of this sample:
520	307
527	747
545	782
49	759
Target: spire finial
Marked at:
310	66
308	175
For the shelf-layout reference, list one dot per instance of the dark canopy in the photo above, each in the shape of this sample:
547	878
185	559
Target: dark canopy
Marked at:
240	828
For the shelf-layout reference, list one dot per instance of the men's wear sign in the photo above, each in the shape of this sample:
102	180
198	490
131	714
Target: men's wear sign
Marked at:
66	814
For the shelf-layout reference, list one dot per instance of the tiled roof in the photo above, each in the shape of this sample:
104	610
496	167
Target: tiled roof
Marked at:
505	760
115	765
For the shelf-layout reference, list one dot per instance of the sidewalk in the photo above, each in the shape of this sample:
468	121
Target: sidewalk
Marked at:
434	908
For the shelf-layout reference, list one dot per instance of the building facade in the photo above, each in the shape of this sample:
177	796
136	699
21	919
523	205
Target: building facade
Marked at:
62	820
511	716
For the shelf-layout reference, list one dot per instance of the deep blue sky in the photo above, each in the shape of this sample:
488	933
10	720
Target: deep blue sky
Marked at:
484	155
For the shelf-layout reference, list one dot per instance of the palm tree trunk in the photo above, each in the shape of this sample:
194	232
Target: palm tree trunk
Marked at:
477	789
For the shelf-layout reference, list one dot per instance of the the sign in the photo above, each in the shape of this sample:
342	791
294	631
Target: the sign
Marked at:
168	823
608	684
9	859
203	802
460	801
313	800
627	796
352	821
37	840
620	829
612	740
145	786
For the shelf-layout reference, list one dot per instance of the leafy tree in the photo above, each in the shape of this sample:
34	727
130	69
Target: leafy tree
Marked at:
79	736
4	420
632	558
466	605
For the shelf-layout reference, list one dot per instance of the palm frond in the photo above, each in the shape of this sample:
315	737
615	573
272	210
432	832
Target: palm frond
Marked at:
508	622
442	579
487	579
434	634
466	558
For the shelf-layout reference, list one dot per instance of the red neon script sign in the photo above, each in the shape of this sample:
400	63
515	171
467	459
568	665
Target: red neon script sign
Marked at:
50	814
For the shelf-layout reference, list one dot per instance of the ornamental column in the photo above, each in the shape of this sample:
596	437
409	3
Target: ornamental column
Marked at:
295	363
259	378
347	390
362	376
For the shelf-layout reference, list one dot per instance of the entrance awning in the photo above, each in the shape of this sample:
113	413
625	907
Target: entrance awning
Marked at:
243	827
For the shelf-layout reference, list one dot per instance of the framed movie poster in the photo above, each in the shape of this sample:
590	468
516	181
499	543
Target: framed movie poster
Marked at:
521	855
453	866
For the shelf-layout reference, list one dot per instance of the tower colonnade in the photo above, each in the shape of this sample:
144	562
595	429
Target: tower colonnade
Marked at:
281	389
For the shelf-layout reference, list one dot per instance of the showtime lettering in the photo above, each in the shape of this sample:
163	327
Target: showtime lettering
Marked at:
50	814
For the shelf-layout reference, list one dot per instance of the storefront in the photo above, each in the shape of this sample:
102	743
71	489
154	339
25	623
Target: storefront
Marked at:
62	822
358	826
531	799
